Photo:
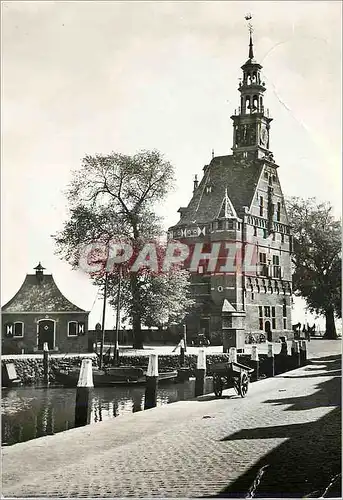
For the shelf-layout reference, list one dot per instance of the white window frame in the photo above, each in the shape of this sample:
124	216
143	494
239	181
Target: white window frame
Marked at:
18	336
77	327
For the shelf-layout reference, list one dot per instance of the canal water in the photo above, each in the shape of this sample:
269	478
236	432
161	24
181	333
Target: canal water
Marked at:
32	412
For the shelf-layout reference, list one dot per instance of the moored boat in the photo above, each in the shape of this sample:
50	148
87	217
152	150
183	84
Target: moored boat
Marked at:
112	376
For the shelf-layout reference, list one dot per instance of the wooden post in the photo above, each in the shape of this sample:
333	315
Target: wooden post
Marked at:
233	355
303	352
270	361
151	382
255	363
200	373
84	394
296	354
46	363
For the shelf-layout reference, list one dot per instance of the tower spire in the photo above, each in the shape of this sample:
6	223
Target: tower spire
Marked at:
248	17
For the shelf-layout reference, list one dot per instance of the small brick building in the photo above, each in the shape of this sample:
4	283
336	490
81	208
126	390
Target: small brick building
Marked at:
239	201
40	313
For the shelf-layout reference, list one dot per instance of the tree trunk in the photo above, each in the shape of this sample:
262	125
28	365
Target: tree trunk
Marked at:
330	328
137	332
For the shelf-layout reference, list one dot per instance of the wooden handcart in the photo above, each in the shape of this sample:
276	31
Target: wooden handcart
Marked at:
231	374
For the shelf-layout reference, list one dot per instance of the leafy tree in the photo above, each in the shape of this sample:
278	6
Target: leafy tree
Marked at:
317	258
164	298
115	196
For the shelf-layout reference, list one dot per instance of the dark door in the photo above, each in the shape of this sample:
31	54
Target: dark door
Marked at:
46	333
268	331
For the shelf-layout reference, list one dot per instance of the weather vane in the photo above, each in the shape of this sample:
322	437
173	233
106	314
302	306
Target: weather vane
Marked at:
248	17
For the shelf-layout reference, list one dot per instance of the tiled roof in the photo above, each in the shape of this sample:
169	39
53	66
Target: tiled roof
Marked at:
39	294
238	177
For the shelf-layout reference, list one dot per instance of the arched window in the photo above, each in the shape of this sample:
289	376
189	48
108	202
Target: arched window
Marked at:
255	106
247	104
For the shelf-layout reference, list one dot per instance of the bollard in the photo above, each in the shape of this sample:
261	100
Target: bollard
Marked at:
255	363
296	354
270	371
284	347
84	394
283	359
303	352
46	363
200	373
151	383
233	355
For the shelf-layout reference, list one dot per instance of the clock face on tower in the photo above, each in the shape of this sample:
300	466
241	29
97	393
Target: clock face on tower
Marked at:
246	135
264	137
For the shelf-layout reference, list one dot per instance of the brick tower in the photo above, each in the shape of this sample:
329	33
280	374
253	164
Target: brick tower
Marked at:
239	203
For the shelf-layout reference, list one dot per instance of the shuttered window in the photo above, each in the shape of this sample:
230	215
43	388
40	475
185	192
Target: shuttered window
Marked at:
18	329
9	329
72	329
81	328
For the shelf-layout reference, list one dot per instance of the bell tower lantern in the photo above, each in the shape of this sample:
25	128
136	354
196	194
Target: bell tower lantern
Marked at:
251	124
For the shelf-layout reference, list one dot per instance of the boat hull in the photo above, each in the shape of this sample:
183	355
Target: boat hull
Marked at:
111	377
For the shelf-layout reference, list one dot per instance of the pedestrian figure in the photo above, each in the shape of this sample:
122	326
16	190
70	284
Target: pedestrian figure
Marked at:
181	343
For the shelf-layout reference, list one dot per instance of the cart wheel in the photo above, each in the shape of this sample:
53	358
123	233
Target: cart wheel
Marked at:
217	385
243	385
236	384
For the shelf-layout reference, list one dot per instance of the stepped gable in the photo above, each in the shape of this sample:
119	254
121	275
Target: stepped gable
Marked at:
238	176
39	294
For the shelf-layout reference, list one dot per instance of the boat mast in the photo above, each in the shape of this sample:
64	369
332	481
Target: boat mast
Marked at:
116	347
103	323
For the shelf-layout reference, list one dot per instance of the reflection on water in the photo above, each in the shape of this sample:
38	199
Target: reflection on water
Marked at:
29	412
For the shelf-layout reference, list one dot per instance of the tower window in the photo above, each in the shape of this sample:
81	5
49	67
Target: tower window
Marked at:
261	206
282	238
284	314
255	231
247	104
273	318
276	267
278	212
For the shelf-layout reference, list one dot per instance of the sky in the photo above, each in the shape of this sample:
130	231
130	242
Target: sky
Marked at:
94	77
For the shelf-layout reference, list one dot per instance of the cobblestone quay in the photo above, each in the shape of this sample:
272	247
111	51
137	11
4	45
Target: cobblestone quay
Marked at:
286	432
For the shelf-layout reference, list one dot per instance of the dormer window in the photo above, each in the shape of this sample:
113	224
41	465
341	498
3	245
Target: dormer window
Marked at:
208	189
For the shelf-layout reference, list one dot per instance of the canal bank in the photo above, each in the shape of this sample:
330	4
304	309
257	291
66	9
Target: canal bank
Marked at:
289	424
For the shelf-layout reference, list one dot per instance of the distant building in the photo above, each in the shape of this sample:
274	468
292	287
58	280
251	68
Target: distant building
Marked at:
239	199
40	313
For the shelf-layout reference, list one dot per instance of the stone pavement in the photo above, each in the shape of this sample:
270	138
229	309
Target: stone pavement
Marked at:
286	433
